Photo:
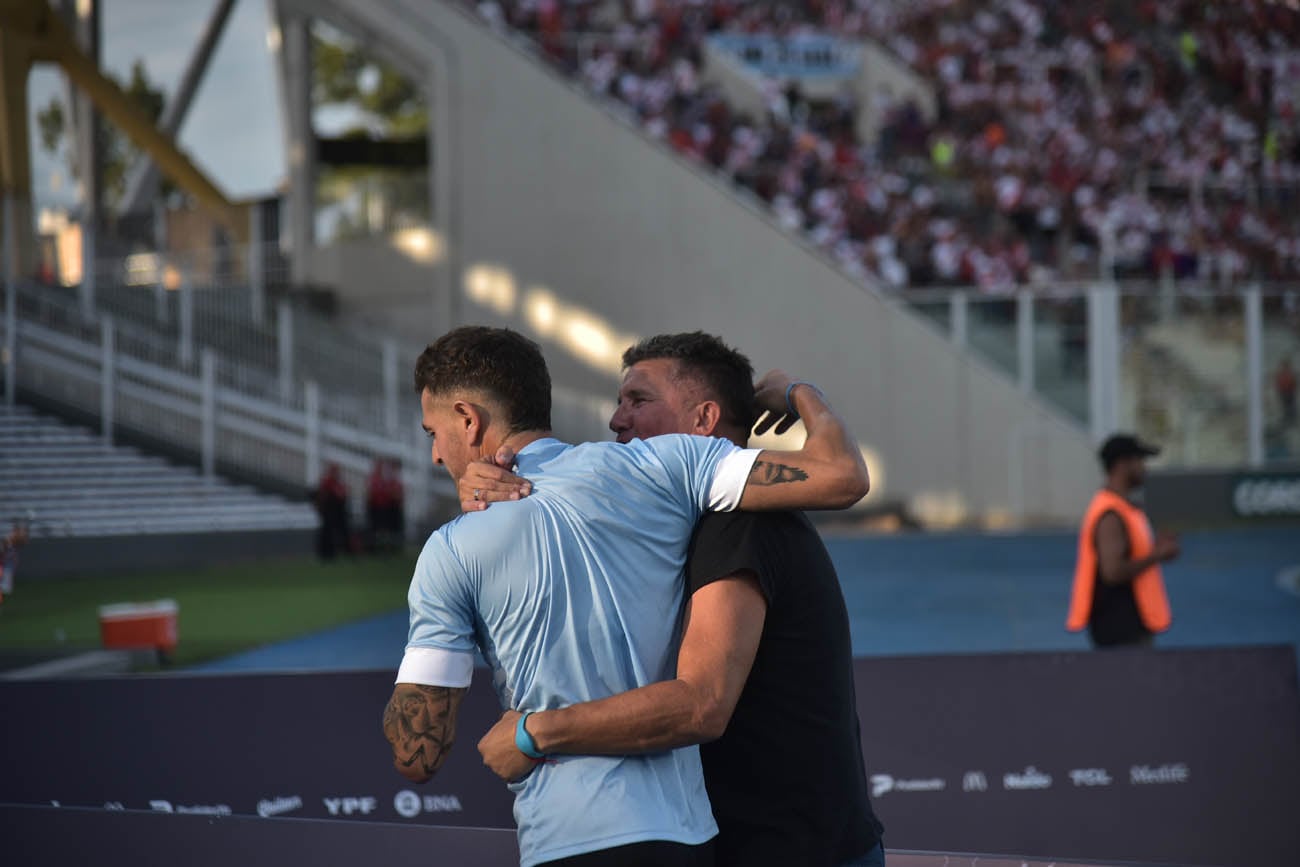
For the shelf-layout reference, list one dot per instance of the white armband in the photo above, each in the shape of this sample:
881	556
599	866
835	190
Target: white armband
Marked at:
434	666
729	477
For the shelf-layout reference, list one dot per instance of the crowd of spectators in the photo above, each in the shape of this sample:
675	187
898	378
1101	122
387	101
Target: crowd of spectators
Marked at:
1154	137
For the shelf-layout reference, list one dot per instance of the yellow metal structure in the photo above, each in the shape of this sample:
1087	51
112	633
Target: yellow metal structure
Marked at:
33	32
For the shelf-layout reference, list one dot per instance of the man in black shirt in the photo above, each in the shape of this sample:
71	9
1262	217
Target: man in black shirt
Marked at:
765	669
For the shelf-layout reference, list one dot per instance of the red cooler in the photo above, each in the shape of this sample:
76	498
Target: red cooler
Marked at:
133	625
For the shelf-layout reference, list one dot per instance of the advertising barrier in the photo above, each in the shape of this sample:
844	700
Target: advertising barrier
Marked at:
58	838
301	746
1169	756
74	837
1223	497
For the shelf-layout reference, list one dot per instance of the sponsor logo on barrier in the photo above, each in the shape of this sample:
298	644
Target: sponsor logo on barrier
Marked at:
1031	778
408	804
111	805
350	806
882	784
1267	495
277	806
974	781
160	806
1090	777
1145	775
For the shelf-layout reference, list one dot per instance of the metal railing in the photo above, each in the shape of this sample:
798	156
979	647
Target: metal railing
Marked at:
205	298
173	306
223	411
1201	368
192	363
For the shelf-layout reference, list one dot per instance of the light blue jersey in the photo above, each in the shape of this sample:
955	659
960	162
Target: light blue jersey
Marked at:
574	593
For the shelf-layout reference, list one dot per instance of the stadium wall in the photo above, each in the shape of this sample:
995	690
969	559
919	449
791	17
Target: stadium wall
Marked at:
555	215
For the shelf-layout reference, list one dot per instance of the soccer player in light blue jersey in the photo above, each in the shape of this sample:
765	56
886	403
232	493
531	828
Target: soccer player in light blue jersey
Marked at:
573	593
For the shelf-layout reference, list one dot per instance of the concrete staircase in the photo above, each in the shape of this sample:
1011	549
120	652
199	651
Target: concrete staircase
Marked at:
67	483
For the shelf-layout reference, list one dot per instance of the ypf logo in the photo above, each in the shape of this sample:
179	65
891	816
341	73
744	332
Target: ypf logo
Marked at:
350	806
407	804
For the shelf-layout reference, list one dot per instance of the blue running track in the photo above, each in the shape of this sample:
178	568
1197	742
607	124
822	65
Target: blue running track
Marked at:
959	593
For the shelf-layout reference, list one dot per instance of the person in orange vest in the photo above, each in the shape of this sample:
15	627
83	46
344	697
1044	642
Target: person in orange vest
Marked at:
1119	592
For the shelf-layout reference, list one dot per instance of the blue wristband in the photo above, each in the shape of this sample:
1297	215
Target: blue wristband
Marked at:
789	388
524	741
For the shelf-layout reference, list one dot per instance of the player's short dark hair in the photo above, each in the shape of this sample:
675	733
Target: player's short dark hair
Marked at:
724	373
500	363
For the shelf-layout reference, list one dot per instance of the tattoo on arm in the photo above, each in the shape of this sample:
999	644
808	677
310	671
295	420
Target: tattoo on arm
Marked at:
768	473
420	723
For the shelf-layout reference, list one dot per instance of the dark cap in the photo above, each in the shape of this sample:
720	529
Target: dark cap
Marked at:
1124	446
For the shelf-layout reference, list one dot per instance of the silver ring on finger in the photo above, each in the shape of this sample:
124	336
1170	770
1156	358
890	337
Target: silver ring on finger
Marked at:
478	494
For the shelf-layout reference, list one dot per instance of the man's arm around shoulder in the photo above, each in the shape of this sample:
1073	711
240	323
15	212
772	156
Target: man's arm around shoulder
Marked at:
724	621
827	473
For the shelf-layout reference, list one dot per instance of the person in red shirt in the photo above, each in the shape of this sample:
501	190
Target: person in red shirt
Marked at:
9	546
385	516
1284	385
331	501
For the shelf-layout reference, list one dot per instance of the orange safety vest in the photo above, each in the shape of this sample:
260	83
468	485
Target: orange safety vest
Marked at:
1148	587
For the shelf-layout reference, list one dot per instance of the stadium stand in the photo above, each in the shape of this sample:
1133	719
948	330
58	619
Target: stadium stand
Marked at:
67	482
1154	138
289	391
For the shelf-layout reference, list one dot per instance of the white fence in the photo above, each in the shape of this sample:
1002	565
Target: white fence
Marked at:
202	385
224	413
1199	368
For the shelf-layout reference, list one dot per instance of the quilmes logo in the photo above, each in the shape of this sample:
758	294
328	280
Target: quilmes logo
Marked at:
1090	777
277	806
1031	778
974	781
1145	775
883	784
408	804
161	806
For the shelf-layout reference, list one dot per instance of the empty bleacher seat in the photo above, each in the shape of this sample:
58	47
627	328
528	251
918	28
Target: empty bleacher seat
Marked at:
67	482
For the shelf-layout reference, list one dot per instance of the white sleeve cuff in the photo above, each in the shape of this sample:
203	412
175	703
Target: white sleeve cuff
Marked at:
729	478
434	666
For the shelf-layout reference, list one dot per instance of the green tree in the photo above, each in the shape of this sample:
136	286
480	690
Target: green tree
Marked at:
344	75
116	152
386	105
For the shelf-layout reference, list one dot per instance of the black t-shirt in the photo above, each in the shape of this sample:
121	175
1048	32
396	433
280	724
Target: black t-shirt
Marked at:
787	780
1114	618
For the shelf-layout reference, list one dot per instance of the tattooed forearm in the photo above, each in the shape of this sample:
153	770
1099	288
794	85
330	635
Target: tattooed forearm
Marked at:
420	723
768	473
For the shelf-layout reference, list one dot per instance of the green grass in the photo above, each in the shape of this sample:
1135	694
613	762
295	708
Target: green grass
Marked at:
223	609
